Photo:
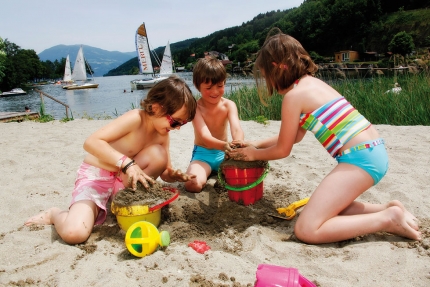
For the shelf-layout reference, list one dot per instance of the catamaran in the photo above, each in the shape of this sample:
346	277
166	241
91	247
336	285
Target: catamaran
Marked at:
145	63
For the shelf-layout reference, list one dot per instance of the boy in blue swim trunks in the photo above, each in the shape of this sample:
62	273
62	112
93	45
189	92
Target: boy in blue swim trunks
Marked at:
214	113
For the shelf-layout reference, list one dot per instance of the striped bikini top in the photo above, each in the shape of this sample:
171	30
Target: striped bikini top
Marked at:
334	124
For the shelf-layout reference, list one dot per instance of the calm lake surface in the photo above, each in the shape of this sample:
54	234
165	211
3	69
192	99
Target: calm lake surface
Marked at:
108	99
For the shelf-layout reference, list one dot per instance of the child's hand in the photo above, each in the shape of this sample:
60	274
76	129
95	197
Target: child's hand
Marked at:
227	147
245	154
239	143
135	174
178	175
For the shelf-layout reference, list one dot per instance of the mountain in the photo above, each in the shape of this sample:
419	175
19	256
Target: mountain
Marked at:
101	61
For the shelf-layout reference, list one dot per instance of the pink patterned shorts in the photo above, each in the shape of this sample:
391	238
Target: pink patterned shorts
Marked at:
98	185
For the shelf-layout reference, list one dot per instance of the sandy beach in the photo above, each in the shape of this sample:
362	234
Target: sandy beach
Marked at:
38	164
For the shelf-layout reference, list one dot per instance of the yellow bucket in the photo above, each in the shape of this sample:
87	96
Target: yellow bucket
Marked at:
128	215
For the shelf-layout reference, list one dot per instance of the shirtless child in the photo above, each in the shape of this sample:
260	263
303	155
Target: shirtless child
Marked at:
214	113
131	148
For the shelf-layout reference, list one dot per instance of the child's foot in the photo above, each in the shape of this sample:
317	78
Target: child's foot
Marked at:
42	218
399	226
410	218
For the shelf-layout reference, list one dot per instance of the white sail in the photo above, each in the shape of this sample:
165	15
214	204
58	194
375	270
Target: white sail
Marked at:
67	71
79	72
142	48
166	63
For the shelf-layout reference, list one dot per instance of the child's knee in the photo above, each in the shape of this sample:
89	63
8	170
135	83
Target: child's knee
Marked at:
159	155
74	235
154	155
304	232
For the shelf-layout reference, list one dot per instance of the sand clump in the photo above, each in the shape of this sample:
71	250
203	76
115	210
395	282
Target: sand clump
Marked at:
152	196
243	164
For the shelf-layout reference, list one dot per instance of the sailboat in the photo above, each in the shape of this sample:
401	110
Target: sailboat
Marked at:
80	74
145	63
166	68
67	72
67	79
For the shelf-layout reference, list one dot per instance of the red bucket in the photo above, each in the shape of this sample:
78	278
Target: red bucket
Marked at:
244	184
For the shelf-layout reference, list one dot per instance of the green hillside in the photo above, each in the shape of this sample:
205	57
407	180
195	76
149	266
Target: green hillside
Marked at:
415	22
322	26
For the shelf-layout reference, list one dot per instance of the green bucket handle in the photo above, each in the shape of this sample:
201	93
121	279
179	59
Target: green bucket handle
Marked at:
246	187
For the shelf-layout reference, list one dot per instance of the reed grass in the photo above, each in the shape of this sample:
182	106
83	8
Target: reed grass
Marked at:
368	95
249	105
43	117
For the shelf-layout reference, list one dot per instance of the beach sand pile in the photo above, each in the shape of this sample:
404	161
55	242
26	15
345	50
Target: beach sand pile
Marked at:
38	164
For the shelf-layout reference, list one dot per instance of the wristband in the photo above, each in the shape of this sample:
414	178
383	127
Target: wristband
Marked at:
120	161
124	169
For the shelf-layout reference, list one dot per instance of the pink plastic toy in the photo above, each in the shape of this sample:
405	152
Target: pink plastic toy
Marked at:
279	276
199	246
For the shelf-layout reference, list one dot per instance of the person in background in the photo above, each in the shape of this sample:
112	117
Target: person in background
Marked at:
134	147
27	109
332	213
214	113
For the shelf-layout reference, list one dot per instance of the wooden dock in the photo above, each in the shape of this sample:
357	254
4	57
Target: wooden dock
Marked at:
17	116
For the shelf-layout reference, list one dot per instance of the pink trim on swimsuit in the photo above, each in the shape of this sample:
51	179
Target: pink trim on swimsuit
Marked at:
97	185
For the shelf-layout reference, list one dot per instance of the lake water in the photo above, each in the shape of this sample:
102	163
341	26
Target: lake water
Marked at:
108	99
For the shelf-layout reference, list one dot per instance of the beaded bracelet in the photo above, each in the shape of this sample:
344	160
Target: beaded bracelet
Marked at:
124	169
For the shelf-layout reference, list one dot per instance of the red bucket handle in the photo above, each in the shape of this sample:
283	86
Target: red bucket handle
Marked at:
175	195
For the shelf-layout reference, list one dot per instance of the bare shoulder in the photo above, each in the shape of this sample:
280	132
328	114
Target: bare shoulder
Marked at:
228	103
134	113
133	118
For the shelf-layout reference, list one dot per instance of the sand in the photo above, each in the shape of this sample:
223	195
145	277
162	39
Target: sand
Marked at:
38	164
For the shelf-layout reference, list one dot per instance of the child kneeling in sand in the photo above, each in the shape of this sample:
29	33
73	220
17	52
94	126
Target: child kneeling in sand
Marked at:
210	123
309	104
133	147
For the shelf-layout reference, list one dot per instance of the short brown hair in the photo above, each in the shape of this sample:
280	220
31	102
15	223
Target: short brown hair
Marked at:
207	70
282	60
171	93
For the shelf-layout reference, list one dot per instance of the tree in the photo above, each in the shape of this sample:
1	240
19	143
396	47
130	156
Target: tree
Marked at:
223	44
20	66
240	56
2	59
402	43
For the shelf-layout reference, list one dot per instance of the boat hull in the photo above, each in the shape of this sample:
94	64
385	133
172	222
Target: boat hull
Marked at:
68	86
13	92
145	83
81	87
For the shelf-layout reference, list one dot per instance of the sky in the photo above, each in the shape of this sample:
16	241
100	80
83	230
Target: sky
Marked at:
111	24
